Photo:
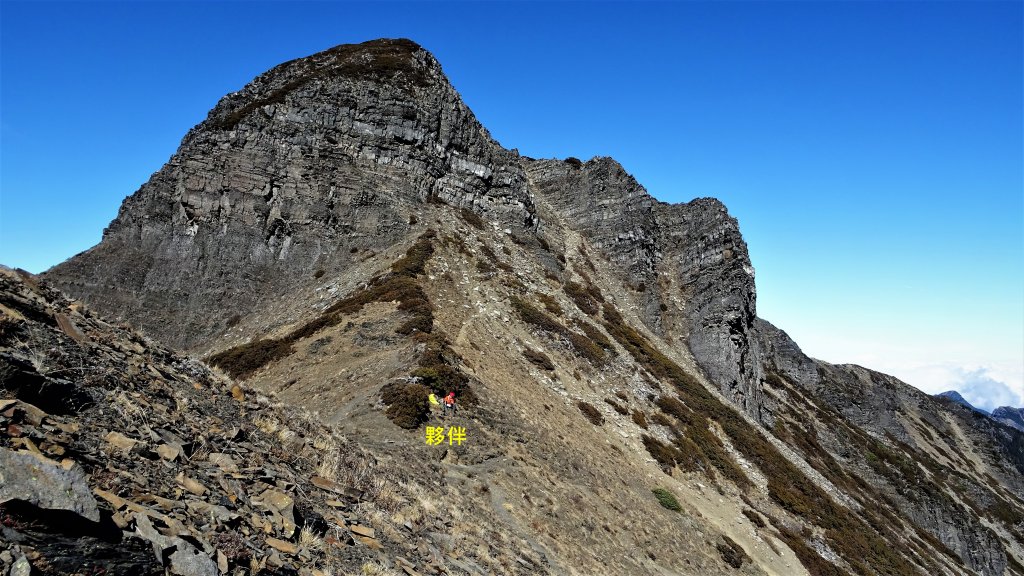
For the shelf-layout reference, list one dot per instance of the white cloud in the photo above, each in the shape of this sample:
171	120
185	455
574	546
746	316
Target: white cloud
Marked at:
983	391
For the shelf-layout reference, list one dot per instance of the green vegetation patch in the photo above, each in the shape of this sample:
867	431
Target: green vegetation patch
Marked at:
667	499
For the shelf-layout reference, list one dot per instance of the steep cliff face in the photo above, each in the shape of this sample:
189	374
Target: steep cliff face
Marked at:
309	167
689	263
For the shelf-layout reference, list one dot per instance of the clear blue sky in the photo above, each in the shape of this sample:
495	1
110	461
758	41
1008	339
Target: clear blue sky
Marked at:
872	152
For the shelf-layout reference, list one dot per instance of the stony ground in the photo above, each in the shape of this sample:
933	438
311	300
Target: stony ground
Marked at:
120	457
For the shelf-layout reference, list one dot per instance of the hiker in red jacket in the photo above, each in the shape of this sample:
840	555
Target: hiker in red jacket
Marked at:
449	403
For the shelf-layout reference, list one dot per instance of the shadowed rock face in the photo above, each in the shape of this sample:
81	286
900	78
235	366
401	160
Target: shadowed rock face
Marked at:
692	250
311	161
1013	417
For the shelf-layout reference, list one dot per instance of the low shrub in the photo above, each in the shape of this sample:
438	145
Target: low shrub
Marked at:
532	315
472	218
550	303
415	259
665	454
539	358
579	294
754	517
596	335
639	419
859	543
617	407
592	414
661	419
242	361
407	404
812	562
731	552
401	286
586	347
583	345
667	499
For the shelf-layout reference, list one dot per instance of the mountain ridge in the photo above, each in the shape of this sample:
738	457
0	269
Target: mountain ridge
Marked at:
305	189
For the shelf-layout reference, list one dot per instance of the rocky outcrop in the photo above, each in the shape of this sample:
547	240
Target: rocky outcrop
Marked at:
307	168
171	469
693	251
1013	417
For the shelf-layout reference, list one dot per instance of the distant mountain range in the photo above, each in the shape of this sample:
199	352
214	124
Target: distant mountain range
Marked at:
1013	417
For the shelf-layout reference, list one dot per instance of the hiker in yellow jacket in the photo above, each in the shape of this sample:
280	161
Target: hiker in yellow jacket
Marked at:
434	404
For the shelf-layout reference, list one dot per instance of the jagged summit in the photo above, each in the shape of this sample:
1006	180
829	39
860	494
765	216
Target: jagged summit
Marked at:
345	234
400	62
955	396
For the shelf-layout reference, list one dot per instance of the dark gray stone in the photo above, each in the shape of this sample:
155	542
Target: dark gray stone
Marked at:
43	483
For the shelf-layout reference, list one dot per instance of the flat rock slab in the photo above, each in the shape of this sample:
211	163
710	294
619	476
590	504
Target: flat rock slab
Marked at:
282	546
120	441
371	543
325	484
41	481
362	530
224	461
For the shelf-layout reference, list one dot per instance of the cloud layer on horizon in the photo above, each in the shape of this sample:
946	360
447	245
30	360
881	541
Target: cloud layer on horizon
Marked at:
984	386
983	391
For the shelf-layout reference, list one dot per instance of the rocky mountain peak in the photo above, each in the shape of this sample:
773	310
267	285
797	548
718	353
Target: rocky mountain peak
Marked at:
309	167
399	62
343	233
954	396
